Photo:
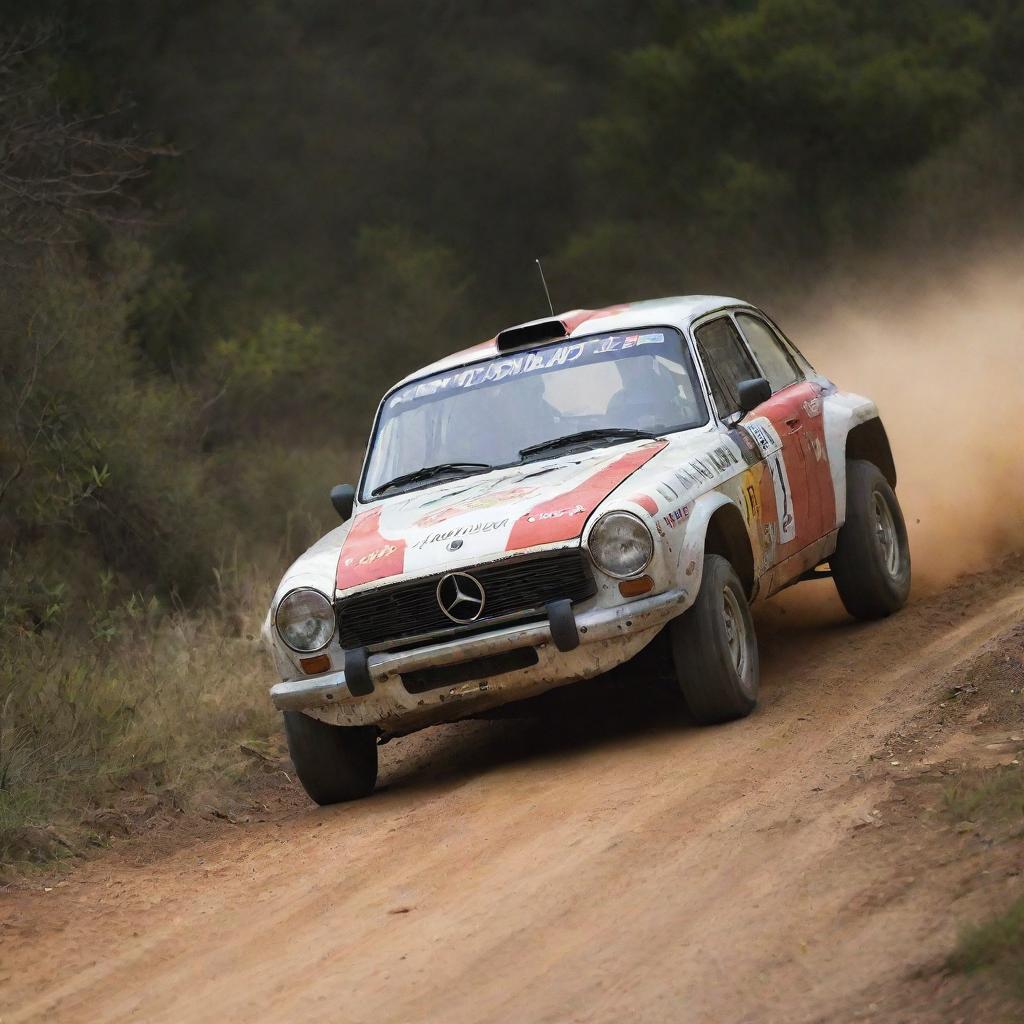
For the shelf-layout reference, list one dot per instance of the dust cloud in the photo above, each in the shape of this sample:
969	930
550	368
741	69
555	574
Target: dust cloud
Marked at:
943	360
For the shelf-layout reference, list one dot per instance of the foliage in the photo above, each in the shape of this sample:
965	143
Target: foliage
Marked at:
225	230
758	142
95	454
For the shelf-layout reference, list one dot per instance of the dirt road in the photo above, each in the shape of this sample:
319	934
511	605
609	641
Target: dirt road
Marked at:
596	862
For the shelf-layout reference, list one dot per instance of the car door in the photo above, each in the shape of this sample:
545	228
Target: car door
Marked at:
795	407
728	361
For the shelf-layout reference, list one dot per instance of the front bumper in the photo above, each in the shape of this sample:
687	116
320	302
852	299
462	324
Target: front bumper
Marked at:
608	636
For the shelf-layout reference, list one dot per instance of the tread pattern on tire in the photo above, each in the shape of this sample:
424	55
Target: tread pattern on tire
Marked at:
334	763
703	665
865	587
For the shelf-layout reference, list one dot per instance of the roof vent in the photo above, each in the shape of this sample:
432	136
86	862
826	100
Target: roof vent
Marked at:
531	334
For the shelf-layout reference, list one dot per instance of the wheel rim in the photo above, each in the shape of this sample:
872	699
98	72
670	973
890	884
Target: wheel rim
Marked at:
888	539
737	635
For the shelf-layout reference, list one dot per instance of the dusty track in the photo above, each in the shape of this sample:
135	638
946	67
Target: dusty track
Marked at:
614	865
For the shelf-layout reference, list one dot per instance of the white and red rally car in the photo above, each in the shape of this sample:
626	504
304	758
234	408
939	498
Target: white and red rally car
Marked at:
537	509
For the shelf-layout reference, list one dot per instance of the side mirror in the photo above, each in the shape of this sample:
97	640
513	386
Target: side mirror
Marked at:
751	393
343	497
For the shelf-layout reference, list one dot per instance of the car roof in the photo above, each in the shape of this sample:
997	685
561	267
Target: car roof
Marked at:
676	311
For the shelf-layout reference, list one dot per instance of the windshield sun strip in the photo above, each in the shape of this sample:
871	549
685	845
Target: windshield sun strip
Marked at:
689	363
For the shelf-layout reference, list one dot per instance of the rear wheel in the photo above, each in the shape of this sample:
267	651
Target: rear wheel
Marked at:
871	564
333	762
714	648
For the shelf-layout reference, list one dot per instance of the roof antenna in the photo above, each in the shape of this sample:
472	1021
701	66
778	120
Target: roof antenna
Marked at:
544	282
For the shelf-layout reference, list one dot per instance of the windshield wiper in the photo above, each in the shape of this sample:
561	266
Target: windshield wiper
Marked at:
428	471
596	434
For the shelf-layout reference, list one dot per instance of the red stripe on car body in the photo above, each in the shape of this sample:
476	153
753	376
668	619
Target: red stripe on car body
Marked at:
367	555
562	517
646	502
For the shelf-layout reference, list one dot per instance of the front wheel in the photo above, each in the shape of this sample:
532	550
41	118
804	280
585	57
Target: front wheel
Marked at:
714	648
871	564
333	762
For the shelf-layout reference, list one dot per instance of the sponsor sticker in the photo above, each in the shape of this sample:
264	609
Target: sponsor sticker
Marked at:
764	435
749	451
549	358
557	513
752	501
372	556
699	471
768	548
471	530
677	516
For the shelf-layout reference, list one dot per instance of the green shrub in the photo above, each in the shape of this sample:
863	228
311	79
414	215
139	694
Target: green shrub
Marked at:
996	944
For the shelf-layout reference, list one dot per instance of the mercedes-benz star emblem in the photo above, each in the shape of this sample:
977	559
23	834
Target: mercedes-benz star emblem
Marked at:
461	597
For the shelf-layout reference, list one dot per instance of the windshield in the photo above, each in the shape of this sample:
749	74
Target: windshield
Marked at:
487	413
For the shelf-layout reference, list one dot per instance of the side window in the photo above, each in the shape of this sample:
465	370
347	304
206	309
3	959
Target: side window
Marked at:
778	368
726	361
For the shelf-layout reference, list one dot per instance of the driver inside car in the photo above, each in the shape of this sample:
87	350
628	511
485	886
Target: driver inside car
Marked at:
650	397
528	419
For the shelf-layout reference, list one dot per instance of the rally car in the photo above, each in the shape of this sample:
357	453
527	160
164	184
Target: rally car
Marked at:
537	509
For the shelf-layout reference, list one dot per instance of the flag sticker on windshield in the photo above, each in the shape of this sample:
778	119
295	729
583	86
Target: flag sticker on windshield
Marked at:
551	357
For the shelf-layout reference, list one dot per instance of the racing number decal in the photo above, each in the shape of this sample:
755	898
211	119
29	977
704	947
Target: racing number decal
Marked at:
783	498
770	446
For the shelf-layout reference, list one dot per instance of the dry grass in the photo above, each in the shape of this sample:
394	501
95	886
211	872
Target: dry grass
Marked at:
98	730
998	945
994	795
993	800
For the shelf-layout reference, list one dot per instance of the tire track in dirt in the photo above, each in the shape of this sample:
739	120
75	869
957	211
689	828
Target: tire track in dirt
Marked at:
597	860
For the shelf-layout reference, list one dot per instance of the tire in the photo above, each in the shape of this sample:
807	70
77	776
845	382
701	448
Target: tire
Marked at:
871	564
714	648
334	763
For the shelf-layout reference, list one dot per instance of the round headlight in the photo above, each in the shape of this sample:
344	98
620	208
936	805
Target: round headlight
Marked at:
305	620
620	544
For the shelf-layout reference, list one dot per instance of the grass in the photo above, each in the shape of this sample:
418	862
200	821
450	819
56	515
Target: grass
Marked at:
994	799
96	730
998	945
995	796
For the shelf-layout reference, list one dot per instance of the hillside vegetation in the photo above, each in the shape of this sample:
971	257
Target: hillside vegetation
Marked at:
225	229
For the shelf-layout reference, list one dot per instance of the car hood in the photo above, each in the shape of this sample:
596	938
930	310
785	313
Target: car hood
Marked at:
478	518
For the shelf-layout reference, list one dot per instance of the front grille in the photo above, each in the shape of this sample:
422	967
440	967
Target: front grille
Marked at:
514	587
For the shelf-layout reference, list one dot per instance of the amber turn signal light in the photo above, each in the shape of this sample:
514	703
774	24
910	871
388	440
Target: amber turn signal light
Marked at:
321	663
634	588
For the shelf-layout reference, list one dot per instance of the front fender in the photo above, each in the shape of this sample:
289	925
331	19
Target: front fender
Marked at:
690	564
